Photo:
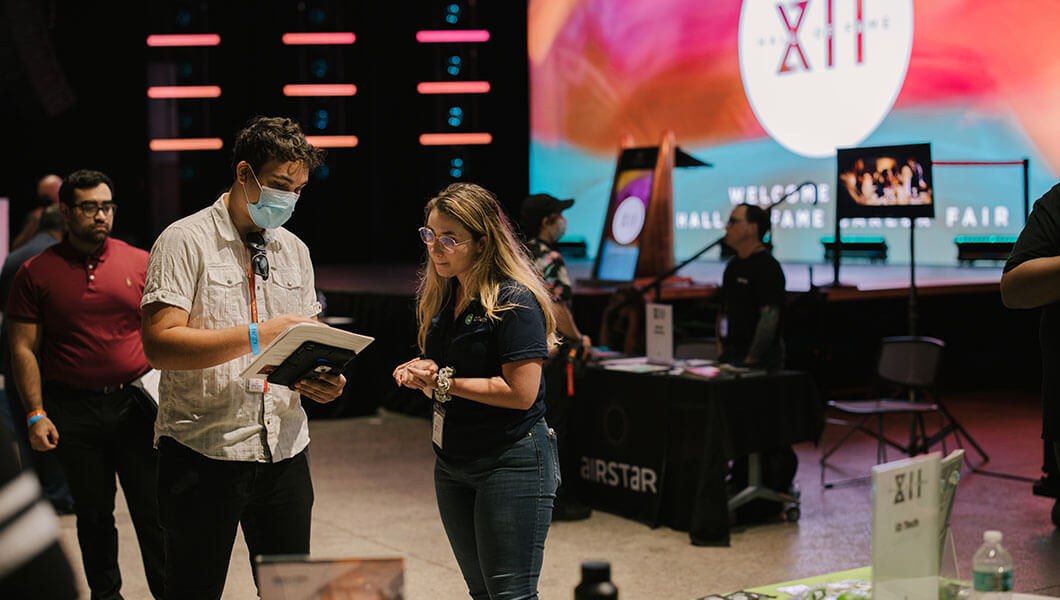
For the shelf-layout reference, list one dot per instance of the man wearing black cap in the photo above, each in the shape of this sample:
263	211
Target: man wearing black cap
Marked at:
543	224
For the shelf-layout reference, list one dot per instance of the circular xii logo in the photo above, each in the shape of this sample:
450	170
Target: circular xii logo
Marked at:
823	74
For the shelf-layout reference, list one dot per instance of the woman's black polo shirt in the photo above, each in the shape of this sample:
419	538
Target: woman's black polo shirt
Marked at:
476	346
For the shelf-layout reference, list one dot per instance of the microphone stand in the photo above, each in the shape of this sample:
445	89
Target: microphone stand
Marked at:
837	249
656	283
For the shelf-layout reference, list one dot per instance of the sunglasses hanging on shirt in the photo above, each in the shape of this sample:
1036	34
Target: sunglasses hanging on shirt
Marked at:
258	260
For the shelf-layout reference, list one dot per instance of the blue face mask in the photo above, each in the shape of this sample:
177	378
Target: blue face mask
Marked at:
274	206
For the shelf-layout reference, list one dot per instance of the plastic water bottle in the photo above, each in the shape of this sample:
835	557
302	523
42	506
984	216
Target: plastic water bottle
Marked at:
992	568
596	582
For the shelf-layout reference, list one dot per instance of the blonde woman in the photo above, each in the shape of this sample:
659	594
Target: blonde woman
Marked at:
484	334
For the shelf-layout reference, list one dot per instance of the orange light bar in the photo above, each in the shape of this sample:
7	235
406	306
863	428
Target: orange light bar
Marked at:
443	36
332	141
184	91
319	38
320	89
180	144
455	139
183	39
453	87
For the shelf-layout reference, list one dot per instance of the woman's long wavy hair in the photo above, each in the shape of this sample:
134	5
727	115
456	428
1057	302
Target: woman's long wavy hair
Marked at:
501	257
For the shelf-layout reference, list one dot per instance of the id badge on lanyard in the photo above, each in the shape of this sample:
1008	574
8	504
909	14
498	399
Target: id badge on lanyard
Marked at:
438	424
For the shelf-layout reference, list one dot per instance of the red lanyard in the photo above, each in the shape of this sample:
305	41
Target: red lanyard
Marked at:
571	357
253	298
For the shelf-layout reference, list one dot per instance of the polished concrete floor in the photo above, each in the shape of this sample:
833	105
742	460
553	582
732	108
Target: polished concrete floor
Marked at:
374	497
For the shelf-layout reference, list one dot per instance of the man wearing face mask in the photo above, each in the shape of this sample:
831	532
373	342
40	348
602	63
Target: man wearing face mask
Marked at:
221	285
543	224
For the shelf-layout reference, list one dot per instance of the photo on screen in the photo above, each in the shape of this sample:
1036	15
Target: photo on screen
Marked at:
885	181
627	212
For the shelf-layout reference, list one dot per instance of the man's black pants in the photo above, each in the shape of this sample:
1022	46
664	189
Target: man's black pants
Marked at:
202	501
102	435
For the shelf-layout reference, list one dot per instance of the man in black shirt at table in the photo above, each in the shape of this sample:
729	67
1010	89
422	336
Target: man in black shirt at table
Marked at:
752	295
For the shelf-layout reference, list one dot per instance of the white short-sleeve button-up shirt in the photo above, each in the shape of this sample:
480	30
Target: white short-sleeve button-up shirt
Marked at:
200	264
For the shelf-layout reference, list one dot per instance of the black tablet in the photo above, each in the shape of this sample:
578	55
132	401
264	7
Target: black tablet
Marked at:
309	360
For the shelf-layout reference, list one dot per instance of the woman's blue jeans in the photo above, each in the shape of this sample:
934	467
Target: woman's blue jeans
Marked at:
496	511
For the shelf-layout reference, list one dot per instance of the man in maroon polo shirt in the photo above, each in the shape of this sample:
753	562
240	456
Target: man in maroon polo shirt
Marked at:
79	303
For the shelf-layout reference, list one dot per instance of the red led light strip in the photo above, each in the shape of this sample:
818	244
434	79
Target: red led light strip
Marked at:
184	91
183	39
455	139
331	38
319	89
453	87
452	36
332	141
182	144
970	163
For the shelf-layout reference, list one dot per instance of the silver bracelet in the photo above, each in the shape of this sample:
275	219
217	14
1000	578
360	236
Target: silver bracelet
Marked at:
444	382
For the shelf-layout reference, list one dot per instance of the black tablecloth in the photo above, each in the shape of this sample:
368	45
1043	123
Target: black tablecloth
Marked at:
655	447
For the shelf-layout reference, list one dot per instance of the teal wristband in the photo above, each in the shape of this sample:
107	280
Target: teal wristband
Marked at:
34	419
255	349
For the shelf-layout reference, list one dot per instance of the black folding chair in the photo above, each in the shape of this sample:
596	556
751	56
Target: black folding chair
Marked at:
907	366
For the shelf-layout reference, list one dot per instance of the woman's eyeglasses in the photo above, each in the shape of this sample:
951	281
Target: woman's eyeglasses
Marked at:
448	243
258	260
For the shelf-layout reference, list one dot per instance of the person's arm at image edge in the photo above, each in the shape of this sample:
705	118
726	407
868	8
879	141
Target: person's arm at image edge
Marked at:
1032	284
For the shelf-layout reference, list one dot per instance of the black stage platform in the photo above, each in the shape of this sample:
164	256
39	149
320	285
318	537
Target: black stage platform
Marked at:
830	333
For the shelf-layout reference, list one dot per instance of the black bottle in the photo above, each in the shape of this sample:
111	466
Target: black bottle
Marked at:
596	582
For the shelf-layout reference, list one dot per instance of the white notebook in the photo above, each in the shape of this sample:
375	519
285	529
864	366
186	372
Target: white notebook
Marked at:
273	355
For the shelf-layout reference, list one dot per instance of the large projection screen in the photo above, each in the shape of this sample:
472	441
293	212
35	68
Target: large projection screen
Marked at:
767	90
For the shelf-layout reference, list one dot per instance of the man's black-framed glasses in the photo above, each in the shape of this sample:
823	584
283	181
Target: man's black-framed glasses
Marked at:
259	261
89	209
448	242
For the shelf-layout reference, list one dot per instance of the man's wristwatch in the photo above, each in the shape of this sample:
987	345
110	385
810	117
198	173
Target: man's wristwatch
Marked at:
443	383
